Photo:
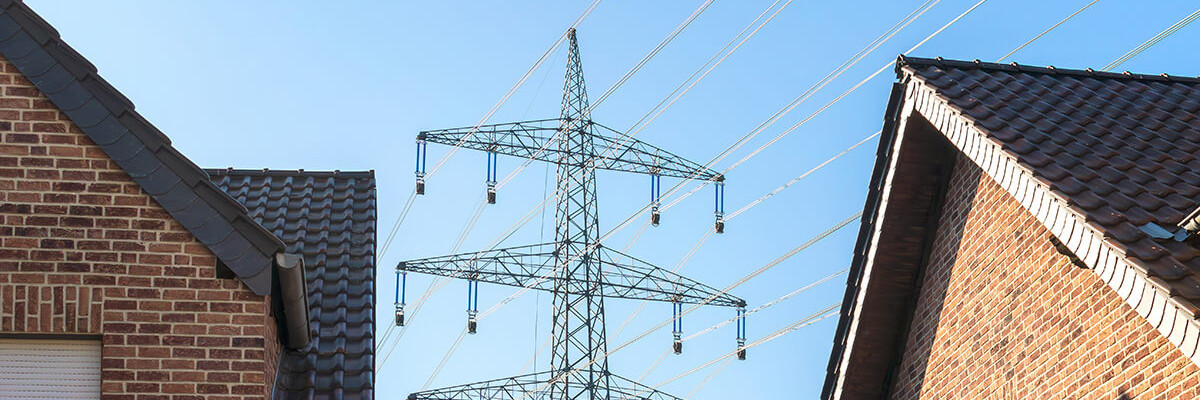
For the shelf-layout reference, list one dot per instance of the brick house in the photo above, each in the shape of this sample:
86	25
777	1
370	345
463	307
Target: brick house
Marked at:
127	272
1029	233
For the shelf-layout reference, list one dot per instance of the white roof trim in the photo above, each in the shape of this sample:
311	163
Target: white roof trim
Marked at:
1105	260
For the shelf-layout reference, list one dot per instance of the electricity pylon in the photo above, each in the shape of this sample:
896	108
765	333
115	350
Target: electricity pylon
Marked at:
575	267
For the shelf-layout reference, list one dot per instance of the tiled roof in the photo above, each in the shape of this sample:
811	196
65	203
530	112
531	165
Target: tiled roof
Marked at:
329	218
1122	150
1107	162
145	153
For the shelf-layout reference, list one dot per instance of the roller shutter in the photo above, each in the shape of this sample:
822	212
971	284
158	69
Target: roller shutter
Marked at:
49	369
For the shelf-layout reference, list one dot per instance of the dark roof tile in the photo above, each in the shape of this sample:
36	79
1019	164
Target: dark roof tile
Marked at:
329	218
1122	149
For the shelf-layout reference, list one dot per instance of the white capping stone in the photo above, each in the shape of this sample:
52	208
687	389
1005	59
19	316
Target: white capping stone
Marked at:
977	147
1075	242
1179	331
1091	247
1059	223
1085	244
969	145
1010	178
1136	288
1127	282
996	168
1067	228
1156	309
1153	308
1047	209
1145	305
1168	318
982	157
1191	339
1001	162
1026	190
987	155
1118	272
1107	267
1037	210
1052	223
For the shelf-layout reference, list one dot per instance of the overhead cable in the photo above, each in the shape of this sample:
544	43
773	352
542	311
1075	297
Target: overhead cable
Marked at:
1153	40
1052	27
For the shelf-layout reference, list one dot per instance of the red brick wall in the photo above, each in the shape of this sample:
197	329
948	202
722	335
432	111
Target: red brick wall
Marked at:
83	250
1003	315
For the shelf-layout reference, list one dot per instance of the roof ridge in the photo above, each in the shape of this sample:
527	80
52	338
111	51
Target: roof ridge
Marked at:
289	172
903	60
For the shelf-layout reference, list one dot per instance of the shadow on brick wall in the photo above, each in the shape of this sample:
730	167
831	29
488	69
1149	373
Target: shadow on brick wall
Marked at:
939	258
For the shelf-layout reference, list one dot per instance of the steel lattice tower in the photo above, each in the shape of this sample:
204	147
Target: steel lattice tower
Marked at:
575	267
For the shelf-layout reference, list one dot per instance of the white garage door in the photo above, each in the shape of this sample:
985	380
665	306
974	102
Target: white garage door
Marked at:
49	369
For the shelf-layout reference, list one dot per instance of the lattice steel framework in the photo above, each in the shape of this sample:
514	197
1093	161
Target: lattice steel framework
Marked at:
575	267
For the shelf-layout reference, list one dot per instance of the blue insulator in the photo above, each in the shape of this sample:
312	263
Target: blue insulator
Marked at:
677	327
472	305
655	196
401	278
741	333
719	206
420	172
491	177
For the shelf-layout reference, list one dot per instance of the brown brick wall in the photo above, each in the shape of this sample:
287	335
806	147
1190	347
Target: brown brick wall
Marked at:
84	250
1003	315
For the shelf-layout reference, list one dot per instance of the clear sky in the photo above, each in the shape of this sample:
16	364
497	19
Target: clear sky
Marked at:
347	85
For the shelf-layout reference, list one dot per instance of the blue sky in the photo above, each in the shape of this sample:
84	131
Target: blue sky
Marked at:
316	85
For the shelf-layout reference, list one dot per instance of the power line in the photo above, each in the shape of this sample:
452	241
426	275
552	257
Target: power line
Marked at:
412	198
798	178
624	78
652	53
812	319
756	310
708	378
888	34
685	86
821	110
611	89
1159	37
1052	27
785	133
708	234
766	305
837	99
517	85
786	330
757	272
1153	40
771	121
545	202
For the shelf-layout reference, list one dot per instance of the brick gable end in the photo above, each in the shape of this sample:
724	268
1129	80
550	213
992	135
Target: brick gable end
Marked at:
84	250
1003	314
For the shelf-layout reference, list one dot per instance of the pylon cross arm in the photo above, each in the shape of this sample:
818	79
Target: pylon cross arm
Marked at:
539	386
534	266
539	140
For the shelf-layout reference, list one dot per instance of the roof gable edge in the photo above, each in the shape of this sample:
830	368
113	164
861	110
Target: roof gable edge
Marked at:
1106	258
87	99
